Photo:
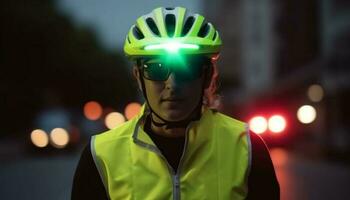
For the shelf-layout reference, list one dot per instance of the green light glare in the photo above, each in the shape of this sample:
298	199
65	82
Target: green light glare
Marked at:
177	60
172	47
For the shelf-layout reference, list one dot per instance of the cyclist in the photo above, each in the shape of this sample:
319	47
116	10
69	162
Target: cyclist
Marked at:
177	147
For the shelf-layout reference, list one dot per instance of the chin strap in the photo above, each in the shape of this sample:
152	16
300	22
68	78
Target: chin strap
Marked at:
167	123
175	124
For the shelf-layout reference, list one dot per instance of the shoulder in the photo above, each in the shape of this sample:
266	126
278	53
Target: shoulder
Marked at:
262	177
227	121
122	131
260	151
87	183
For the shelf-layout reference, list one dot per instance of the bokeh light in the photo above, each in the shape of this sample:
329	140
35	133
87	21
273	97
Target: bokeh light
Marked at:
92	110
279	157
39	138
131	110
114	119
315	93
59	137
277	124
306	114
258	124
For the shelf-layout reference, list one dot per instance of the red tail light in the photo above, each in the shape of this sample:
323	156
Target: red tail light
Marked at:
258	124
277	123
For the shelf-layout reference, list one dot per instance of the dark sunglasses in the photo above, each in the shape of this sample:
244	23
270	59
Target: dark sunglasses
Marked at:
185	71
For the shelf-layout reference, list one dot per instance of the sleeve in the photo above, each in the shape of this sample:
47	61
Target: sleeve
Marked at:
87	183
262	181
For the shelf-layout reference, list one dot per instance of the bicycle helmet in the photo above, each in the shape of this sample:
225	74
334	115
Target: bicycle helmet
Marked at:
171	30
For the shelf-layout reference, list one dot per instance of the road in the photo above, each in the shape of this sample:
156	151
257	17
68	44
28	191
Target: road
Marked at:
50	178
302	178
37	178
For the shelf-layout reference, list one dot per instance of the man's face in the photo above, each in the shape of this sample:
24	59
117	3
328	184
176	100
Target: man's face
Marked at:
178	88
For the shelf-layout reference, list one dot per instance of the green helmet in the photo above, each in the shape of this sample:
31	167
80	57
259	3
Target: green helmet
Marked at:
171	30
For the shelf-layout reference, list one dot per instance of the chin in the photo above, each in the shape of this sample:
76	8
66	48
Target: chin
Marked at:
176	115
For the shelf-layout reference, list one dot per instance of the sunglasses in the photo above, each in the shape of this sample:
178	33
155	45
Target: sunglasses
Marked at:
184	71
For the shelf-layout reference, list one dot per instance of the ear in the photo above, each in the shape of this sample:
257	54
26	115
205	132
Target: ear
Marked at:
136	74
208	75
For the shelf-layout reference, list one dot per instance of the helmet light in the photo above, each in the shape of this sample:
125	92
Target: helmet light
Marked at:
172	47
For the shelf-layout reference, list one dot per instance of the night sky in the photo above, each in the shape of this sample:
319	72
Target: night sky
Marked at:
111	19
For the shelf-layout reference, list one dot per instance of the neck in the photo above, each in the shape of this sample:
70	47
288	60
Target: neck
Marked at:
165	130
169	130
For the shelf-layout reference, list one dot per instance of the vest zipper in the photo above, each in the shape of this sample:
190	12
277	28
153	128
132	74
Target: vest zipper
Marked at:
177	189
175	176
175	181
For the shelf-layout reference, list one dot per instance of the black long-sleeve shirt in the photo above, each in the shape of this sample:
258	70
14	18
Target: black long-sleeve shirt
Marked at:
262	181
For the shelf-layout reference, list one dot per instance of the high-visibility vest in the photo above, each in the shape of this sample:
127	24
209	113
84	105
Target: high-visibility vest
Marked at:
214	165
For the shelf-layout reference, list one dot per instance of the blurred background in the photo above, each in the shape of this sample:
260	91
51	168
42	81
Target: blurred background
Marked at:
284	69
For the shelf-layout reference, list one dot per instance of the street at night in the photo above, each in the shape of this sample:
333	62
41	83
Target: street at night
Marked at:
152	72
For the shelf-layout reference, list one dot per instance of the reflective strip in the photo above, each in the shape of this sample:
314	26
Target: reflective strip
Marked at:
98	166
249	150
141	143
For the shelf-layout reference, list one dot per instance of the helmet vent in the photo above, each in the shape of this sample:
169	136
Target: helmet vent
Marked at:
152	25
188	25
169	8
215	34
128	40
137	33
204	30
170	24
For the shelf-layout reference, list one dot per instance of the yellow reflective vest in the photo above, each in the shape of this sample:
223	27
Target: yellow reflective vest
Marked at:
214	165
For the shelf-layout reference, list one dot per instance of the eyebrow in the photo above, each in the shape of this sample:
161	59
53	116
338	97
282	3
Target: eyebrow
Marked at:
154	61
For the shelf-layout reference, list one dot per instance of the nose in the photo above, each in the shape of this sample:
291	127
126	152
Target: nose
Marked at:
172	82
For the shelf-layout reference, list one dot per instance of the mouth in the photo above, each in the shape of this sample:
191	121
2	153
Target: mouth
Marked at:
172	99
